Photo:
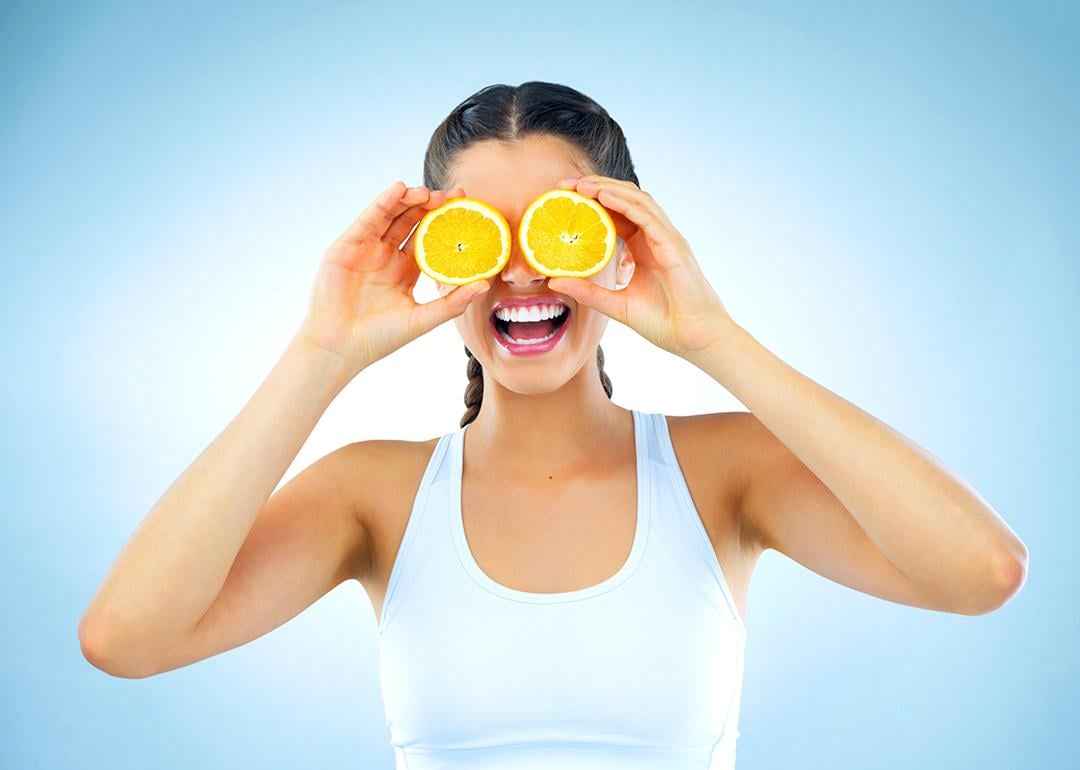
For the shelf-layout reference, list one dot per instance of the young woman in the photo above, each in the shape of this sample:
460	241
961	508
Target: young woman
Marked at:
560	581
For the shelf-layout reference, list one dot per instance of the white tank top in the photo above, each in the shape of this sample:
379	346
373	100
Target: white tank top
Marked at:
642	670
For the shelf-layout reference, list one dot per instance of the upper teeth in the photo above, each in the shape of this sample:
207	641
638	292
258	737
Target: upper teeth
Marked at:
530	313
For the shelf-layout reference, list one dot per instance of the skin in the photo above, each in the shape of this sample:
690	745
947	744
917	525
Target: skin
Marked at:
815	477
224	557
805	472
523	493
561	389
818	478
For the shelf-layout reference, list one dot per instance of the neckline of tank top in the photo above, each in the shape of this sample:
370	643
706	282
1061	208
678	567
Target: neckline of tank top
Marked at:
637	548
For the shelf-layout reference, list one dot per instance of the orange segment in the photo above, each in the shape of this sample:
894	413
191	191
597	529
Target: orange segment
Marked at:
565	233
463	240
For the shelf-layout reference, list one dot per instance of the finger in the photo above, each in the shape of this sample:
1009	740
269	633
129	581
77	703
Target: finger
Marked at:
415	215
657	231
405	221
374	221
591	184
609	302
624	228
452	304
573	181
592	188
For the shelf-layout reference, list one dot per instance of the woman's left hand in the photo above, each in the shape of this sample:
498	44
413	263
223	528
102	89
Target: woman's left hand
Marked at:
668	301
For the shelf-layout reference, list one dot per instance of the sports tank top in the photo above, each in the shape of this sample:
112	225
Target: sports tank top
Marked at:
642	670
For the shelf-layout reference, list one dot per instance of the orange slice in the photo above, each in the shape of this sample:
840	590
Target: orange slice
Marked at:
564	233
463	240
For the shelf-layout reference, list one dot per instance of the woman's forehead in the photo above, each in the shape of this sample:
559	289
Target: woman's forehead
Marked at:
503	173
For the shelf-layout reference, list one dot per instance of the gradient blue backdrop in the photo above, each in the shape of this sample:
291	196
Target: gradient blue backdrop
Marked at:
886	197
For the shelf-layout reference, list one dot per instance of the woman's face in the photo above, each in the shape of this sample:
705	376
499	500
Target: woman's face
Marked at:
509	176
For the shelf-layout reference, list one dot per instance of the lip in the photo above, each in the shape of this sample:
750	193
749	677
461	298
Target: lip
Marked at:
535	348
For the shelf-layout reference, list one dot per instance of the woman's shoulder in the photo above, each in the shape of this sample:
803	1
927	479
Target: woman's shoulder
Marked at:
385	466
381	477
708	431
709	449
391	452
385	470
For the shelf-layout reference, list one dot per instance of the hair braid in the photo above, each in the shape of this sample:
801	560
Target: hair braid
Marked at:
605	381
474	390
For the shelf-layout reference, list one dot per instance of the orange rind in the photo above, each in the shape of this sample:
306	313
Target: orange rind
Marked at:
566	234
461	241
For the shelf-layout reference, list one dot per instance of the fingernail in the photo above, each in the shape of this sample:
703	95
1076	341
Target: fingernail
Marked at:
570	180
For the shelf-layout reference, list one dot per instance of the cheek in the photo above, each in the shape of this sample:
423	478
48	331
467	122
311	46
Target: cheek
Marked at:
606	277
473	323
590	325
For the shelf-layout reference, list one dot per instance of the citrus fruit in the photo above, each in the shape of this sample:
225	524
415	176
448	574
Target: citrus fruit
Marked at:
566	234
463	240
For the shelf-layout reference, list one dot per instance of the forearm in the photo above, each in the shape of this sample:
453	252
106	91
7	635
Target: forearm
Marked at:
926	521
173	567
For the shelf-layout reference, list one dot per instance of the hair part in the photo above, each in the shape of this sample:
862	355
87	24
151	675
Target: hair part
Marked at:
509	114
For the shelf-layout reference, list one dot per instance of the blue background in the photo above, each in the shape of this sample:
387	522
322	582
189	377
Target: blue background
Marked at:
886	197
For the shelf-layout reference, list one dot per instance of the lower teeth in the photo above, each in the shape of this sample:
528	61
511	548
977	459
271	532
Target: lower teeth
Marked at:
537	341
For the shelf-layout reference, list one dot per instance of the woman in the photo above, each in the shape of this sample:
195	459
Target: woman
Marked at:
560	582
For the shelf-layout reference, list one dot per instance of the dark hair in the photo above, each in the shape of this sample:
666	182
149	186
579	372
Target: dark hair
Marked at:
510	113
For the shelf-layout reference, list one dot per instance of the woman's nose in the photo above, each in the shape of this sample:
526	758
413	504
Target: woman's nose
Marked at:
518	271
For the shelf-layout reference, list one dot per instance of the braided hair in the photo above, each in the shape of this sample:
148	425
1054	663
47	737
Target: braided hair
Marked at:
510	113
474	391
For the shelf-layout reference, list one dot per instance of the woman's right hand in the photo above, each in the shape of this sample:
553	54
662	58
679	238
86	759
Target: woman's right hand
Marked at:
361	305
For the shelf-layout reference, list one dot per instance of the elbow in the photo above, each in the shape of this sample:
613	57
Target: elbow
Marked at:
102	654
1006	575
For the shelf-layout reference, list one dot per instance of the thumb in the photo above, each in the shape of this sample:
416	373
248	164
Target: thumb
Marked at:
451	305
610	303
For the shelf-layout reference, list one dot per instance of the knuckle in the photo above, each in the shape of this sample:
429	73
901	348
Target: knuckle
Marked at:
383	208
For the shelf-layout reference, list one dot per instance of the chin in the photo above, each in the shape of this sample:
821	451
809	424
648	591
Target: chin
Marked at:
531	375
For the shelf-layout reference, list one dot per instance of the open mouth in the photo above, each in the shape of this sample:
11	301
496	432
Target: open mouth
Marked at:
519	336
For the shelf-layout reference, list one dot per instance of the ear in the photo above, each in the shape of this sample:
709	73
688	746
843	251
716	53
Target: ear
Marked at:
624	264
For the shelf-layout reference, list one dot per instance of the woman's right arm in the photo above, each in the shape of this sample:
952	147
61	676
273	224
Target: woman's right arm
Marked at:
218	561
172	569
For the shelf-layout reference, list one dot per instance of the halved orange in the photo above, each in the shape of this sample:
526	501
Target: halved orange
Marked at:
565	233
463	240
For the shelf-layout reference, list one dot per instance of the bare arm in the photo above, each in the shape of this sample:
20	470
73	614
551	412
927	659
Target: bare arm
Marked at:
217	561
174	566
844	494
823	481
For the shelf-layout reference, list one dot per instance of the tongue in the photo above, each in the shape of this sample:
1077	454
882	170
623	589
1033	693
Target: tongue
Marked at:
530	330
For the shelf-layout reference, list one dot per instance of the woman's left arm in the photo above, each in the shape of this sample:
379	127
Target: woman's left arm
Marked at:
817	464
824	482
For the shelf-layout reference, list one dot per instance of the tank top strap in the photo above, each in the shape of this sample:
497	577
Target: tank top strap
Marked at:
425	530
678	525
